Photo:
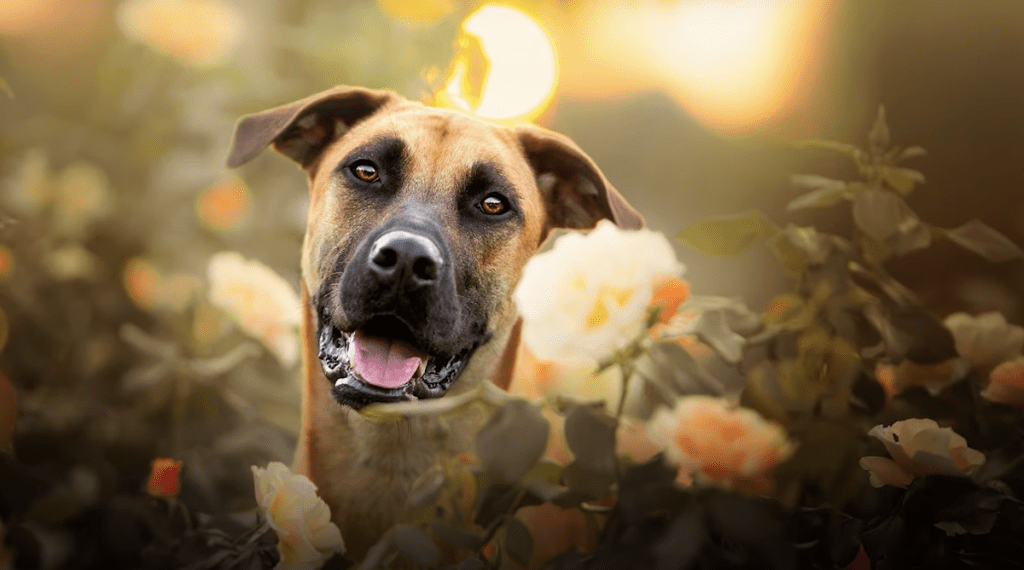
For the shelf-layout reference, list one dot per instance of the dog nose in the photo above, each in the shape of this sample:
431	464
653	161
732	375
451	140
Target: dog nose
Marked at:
408	258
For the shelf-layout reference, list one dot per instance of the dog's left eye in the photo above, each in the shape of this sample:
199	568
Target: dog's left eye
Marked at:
494	205
365	171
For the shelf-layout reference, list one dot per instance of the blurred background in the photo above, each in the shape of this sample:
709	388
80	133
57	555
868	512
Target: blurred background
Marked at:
115	118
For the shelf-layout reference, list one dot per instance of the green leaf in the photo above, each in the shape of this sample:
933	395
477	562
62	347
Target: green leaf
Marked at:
676	371
590	433
902	179
512	440
832	146
796	247
821	198
415	545
878	137
909	152
878	213
985	241
518	541
912	236
711	328
726	236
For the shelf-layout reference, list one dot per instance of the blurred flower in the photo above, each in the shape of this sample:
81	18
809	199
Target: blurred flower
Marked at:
83	195
919	447
262	303
1006	384
986	339
301	519
933	377
201	33
71	261
727	444
148	288
164	478
589	295
6	262
29	189
224	206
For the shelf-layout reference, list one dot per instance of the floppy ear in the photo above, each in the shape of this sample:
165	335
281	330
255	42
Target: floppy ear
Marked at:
301	130
575	192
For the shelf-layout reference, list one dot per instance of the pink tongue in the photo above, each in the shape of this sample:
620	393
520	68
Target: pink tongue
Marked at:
384	362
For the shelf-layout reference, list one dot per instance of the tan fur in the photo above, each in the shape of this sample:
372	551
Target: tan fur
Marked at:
364	469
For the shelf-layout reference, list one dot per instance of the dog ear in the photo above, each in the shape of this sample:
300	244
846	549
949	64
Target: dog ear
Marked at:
300	130
576	193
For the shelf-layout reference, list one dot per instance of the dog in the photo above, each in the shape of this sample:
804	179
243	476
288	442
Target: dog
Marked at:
420	222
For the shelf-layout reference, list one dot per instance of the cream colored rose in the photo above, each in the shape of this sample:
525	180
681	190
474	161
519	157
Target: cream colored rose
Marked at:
919	447
589	294
196	32
714	439
262	303
302	520
986	339
1006	384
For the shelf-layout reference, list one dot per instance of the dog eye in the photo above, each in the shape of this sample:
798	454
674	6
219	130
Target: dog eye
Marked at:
494	205
365	171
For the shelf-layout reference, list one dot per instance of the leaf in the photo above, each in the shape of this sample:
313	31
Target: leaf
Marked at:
512	440
456	536
415	545
910	152
821	198
727	236
832	146
985	241
666	363
796	247
902	179
590	434
816	182
912	236
878	213
878	136
518	541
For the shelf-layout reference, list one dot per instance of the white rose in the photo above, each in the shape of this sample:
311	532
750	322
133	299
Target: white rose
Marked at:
589	294
987	339
306	536
260	301
919	447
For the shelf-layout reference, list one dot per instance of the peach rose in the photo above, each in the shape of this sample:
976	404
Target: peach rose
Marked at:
713	439
1006	384
260	302
986	339
164	478
302	520
196	32
589	294
919	447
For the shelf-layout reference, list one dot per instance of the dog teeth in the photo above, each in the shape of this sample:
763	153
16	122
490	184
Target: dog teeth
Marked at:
422	368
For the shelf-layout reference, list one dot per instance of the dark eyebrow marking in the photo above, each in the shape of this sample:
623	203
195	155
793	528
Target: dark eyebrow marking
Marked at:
389	152
486	175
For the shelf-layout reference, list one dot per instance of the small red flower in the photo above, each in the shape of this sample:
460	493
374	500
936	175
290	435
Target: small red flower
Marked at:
164	478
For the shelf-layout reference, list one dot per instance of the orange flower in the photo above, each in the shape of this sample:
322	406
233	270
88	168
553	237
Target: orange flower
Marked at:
224	206
669	294
716	440
164	478
1006	384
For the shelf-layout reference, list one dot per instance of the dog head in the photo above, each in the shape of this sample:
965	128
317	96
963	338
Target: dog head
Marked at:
420	222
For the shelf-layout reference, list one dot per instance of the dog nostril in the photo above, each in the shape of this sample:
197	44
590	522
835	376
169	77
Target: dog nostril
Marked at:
425	269
385	258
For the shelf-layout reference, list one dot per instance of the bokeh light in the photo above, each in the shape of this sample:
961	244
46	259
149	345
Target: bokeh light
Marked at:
224	206
505	68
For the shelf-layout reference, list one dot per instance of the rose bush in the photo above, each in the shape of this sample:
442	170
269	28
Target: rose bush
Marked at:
260	302
301	519
712	438
919	447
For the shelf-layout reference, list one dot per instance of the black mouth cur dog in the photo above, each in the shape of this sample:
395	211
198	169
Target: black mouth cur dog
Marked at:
420	223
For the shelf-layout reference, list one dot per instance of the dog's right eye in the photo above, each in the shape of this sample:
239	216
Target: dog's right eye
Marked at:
365	171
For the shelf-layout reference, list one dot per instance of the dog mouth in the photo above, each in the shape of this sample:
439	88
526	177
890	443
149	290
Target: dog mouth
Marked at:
381	361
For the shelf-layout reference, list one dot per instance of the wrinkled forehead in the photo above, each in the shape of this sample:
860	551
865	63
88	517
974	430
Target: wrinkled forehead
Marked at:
436	145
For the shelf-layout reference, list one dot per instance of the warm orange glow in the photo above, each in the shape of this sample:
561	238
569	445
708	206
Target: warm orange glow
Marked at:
224	206
6	262
142	281
505	68
417	12
732	64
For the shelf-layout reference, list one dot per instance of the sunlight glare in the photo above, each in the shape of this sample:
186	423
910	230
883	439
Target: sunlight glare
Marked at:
517	78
